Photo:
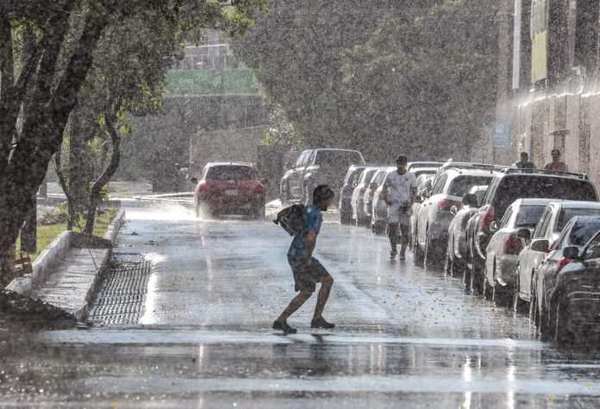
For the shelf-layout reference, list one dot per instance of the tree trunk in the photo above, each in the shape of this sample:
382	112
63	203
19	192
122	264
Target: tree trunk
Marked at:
62	180
108	173
44	122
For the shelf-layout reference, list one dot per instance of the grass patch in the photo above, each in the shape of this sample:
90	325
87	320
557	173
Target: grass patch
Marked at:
46	234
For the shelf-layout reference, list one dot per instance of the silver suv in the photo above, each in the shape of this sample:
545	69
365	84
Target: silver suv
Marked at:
315	167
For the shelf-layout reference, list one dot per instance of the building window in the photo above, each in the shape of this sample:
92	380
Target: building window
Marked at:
586	35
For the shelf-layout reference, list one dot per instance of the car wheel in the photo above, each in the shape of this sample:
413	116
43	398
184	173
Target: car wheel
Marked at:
345	216
448	268
379	228
418	255
432	254
518	305
561	334
485	291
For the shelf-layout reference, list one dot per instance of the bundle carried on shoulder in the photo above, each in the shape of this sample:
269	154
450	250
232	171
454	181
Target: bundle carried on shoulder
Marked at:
292	219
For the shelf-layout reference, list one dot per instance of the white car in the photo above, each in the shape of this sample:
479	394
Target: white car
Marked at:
379	207
358	195
377	182
505	245
555	217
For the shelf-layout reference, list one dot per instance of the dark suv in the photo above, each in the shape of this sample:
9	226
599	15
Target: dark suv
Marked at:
508	186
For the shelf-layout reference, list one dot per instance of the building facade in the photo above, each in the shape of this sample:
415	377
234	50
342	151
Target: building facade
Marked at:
554	83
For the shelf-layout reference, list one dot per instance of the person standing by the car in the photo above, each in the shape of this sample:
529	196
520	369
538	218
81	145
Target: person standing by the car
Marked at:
399	193
556	165
308	271
524	163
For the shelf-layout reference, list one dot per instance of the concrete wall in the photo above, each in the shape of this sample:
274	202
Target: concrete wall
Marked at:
542	114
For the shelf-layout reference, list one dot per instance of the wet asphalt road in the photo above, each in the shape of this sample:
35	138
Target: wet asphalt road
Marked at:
405	337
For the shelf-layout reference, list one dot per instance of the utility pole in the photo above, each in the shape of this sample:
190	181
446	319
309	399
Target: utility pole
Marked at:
501	138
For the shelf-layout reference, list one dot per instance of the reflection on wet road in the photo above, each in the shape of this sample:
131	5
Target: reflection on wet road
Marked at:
405	337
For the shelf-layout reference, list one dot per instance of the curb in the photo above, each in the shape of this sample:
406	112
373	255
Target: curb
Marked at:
111	235
56	252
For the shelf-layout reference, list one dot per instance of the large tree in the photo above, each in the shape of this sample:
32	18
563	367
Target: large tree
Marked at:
381	76
46	53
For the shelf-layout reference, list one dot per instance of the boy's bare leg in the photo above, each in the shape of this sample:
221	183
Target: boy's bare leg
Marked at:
326	284
297	302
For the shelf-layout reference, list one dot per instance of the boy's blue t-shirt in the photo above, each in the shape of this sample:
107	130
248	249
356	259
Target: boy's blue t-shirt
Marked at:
314	219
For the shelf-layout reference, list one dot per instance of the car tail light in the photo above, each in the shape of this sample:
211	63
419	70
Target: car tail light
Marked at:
563	262
203	187
487	218
513	245
259	188
446	204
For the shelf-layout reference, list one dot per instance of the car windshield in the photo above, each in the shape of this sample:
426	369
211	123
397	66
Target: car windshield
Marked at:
462	184
567	214
529	216
516	187
583	231
230	173
338	159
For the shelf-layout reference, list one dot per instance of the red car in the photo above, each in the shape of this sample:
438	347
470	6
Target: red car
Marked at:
230	188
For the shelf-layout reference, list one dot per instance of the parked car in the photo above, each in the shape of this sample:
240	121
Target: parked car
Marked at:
358	196
503	250
413	167
555	217
573	302
434	214
567	248
369	195
424	185
315	167
230	188
379	207
456	252
345	202
507	186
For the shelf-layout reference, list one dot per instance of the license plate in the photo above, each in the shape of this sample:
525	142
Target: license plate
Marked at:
231	192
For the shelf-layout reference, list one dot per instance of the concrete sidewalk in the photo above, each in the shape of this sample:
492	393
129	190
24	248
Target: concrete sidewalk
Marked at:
71	285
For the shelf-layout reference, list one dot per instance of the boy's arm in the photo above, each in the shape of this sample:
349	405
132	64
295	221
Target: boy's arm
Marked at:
310	241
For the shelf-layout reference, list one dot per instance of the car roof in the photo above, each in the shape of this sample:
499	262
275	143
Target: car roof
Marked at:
424	169
469	171
542	173
575	204
425	164
534	201
244	164
336	150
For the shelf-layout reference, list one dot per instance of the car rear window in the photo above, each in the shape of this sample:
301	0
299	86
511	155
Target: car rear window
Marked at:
516	187
567	214
230	173
338	159
368	175
462	184
529	216
583	231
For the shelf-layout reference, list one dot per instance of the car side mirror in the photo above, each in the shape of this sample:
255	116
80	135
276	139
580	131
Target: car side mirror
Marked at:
494	227
524	234
573	252
453	210
541	245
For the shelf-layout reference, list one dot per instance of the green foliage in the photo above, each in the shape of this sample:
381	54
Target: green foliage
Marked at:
388	76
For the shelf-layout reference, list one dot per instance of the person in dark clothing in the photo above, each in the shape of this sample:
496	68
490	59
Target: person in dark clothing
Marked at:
307	270
524	163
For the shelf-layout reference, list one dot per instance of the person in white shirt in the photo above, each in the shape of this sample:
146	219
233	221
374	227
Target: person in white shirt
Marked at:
399	194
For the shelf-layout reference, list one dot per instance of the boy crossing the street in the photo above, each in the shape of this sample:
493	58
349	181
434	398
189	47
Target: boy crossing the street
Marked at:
307	270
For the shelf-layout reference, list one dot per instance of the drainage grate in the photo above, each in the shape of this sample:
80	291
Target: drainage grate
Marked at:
121	297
